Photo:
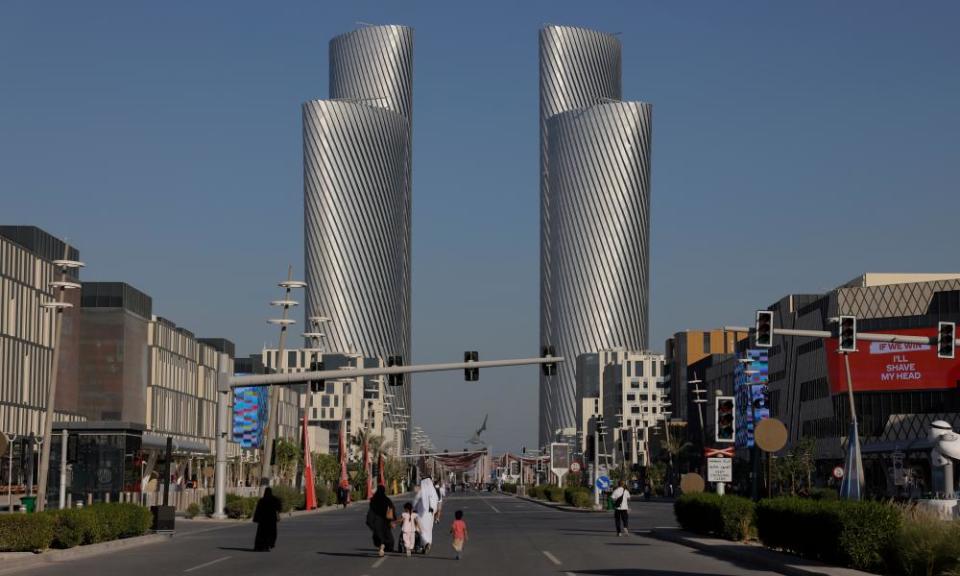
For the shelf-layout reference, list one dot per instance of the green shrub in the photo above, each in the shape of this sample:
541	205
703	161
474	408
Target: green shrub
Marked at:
582	499
536	492
240	507
926	545
325	496
25	532
290	498
729	517
75	527
859	535
824	494
554	493
509	488
193	510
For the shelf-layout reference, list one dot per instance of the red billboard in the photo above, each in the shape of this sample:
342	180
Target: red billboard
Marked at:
879	366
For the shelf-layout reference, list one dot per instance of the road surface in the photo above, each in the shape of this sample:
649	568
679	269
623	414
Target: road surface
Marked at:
507	536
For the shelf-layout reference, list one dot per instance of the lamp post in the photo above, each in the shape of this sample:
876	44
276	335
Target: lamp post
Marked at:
266	473
57	307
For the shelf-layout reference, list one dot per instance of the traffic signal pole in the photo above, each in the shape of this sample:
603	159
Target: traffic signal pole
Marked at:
226	382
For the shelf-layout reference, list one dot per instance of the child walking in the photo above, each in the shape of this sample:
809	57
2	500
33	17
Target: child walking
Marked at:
410	525
459	532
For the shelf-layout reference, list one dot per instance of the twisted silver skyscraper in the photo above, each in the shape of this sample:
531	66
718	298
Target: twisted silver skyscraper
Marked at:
594	211
357	195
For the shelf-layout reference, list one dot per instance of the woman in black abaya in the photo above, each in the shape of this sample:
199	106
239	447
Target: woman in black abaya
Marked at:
380	519
266	515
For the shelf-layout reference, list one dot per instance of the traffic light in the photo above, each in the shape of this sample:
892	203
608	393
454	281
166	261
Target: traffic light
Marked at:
848	334
764	336
726	426
395	379
946	339
317	385
471	374
548	368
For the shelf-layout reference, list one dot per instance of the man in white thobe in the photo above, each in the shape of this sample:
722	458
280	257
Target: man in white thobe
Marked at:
426	507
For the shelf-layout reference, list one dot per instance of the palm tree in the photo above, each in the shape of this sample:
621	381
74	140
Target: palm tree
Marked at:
675	445
376	444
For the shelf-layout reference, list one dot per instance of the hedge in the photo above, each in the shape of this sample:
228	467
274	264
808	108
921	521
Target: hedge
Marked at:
72	527
729	517
579	497
509	488
25	532
290	498
860	535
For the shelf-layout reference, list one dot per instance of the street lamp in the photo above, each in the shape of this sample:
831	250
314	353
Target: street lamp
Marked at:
57	307
266	472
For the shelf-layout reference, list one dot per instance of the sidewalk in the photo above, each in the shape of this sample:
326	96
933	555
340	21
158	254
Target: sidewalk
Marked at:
754	554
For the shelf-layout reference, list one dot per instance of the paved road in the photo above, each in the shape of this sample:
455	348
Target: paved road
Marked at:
507	536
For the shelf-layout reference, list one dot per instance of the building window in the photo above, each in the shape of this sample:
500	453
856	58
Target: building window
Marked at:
634	409
325	401
706	342
639	368
628	369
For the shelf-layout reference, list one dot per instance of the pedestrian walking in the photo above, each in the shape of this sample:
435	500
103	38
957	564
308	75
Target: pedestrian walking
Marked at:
459	532
343	494
266	515
409	526
427	506
380	519
621	508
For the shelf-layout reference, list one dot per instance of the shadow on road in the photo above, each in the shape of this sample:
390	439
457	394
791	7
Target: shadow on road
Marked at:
235	549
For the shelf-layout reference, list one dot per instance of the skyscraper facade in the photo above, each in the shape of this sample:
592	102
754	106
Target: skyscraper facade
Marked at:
357	200
594	212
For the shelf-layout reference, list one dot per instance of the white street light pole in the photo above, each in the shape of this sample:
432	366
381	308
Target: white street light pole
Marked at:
273	424
57	307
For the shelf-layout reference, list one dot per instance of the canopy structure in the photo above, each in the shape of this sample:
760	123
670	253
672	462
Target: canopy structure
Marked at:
459	462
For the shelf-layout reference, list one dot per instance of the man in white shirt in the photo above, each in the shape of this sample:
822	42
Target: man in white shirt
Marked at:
621	508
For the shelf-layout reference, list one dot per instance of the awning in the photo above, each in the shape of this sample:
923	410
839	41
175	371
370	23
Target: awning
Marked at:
180	446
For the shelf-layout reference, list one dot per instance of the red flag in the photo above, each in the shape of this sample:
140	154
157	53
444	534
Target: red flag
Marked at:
380	480
311	494
366	468
344	479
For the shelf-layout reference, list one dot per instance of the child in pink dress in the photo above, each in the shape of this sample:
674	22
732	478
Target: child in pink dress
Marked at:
410	525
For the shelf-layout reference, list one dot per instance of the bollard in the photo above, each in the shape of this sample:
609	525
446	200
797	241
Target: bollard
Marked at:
89	498
106	497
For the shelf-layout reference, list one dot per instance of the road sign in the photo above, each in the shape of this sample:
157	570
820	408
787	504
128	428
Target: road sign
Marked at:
838	472
691	483
574	467
719	470
718	453
770	435
603	483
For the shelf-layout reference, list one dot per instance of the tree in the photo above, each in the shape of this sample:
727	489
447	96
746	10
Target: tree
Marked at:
805	452
326	469
376	444
288	457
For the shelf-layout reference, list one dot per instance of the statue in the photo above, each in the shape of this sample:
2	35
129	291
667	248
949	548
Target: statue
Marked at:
946	449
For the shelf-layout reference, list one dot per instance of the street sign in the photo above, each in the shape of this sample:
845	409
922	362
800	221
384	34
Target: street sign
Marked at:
770	435
574	467
691	483
603	483
838	472
718	453
719	470
560	460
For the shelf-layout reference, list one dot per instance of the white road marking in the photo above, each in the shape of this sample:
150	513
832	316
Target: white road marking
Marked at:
379	562
551	557
491	506
210	563
569	574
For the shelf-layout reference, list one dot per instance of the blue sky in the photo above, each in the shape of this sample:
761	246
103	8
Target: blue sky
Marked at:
795	146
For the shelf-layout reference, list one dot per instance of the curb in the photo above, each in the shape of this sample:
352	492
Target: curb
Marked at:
78	552
755	555
560	507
